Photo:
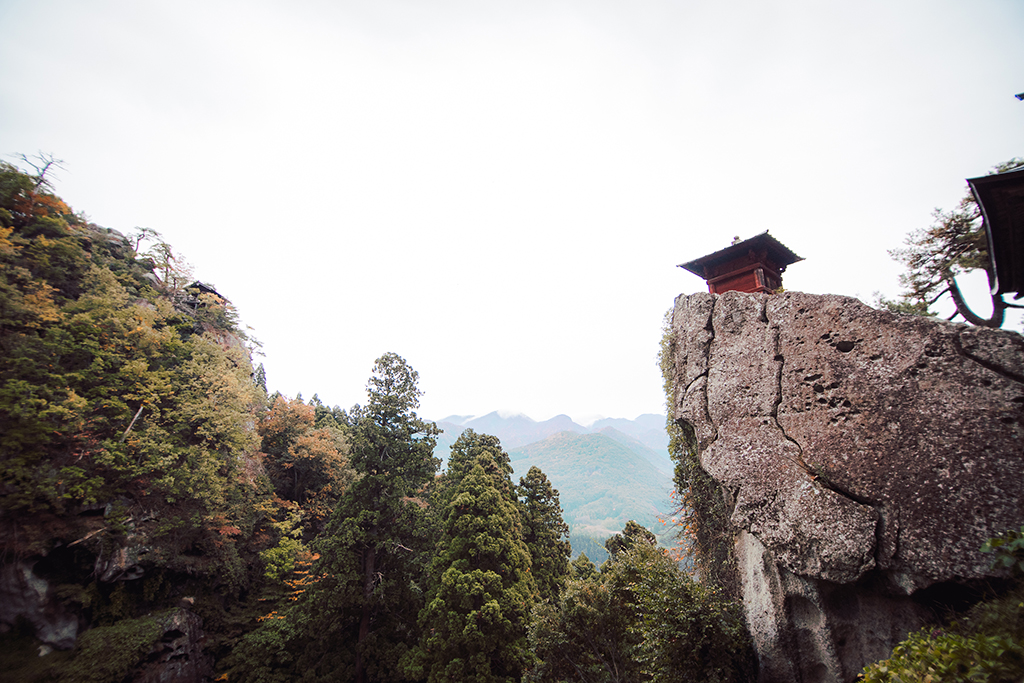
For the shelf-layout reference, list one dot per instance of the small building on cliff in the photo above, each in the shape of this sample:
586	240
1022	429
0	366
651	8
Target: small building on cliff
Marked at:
753	265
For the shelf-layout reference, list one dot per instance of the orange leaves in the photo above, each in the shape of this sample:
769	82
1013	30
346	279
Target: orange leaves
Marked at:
29	205
284	421
303	579
219	524
265	617
307	465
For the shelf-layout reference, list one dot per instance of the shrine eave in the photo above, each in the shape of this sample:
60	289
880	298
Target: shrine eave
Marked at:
1001	198
777	251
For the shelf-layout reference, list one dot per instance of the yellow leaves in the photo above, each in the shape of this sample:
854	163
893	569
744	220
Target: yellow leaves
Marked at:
39	302
6	245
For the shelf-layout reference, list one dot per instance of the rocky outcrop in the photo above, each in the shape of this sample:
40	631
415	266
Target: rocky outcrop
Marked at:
866	457
177	657
24	595
123	562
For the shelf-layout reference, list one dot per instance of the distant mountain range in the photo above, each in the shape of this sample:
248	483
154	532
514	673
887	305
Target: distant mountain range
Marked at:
645	435
606	474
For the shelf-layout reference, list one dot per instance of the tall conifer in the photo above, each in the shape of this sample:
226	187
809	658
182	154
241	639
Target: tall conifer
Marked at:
354	623
545	533
476	620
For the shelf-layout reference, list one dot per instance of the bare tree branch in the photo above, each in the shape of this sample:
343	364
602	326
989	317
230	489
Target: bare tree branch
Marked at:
132	424
42	164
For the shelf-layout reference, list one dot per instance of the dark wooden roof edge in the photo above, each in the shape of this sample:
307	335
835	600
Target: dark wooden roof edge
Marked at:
996	178
1005	248
205	288
784	253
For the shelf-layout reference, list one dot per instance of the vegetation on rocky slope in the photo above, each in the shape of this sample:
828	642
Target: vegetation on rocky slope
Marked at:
148	477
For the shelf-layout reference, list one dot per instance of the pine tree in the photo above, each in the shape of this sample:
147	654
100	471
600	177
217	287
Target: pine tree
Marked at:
955	243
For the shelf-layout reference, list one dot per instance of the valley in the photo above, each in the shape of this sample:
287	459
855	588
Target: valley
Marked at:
607	473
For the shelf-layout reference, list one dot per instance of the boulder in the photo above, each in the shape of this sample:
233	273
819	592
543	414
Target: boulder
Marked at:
866	457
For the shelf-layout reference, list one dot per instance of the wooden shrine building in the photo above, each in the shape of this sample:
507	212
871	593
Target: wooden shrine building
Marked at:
753	265
1001	198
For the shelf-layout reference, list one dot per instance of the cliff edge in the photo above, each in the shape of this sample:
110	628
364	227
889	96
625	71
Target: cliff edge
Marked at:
865	457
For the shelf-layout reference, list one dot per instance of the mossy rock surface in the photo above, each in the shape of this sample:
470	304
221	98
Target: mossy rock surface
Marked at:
109	653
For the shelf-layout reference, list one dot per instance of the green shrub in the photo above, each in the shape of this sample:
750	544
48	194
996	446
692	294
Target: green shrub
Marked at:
1009	551
932	656
985	645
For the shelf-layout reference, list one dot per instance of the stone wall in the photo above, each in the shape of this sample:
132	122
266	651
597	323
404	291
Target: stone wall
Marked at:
866	457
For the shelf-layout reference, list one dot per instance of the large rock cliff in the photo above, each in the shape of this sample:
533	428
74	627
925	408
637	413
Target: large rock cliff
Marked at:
865	456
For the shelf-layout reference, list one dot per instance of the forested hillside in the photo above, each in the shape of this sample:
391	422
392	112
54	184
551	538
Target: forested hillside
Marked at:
604	484
164	517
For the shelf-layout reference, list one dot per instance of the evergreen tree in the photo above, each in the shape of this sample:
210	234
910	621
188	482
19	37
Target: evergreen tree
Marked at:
545	533
476	620
461	460
631	535
259	378
639	619
582	567
353	618
356	623
585	636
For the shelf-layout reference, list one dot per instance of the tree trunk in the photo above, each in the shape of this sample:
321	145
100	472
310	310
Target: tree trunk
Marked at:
998	307
369	562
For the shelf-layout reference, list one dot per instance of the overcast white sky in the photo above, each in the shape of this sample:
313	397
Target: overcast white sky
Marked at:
500	191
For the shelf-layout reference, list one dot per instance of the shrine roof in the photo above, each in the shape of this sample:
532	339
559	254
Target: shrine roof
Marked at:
1001	198
777	251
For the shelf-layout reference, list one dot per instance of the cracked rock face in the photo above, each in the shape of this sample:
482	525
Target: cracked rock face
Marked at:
853	443
178	656
25	595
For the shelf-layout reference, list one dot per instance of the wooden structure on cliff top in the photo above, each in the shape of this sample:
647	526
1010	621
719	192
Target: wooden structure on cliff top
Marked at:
1001	198
753	265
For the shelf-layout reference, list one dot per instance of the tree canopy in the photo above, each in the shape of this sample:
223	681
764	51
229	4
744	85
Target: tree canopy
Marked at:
357	620
639	619
934	257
